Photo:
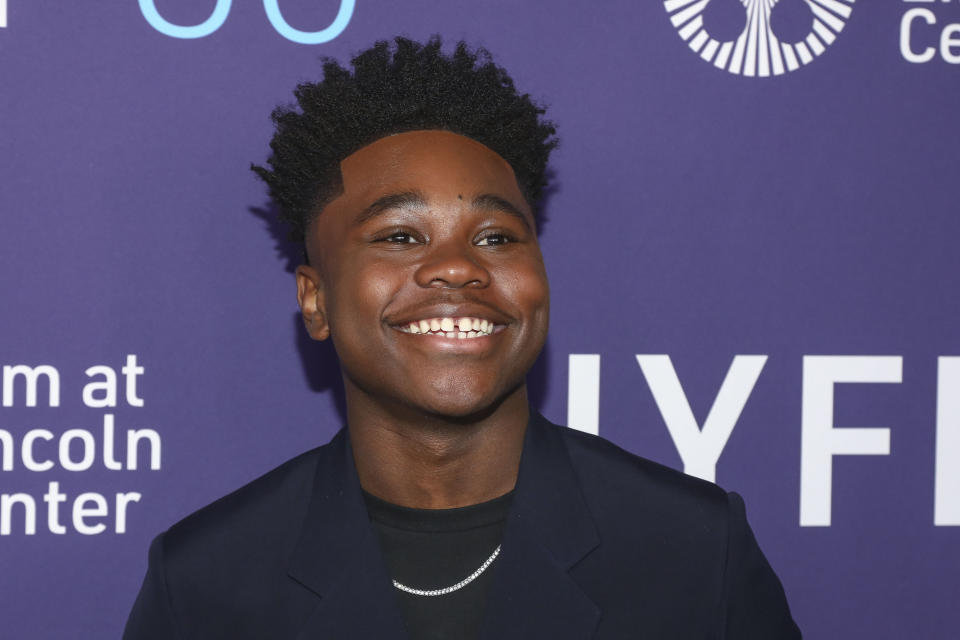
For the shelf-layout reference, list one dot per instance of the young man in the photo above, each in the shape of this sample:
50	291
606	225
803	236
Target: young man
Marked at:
445	508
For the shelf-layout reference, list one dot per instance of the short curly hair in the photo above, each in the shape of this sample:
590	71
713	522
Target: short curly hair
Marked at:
406	86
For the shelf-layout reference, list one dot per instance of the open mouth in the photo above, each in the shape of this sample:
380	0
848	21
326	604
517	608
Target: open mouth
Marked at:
459	328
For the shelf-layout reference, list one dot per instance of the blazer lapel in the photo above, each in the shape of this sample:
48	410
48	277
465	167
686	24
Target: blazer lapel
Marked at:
339	560
549	529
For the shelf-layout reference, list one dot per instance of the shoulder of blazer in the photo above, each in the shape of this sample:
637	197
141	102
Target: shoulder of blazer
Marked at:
614	480
253	529
679	546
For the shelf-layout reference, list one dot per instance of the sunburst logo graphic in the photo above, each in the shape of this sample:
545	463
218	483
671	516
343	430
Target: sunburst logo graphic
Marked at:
758	50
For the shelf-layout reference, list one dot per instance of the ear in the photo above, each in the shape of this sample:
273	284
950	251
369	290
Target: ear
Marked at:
312	302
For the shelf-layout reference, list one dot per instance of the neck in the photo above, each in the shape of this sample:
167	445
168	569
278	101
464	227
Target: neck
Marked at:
427	461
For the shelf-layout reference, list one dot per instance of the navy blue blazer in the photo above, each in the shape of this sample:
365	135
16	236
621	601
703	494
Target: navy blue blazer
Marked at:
599	543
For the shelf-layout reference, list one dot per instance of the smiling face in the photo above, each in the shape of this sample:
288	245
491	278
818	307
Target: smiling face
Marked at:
427	274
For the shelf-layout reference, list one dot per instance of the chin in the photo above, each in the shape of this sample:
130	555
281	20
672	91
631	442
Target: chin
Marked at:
461	407
460	410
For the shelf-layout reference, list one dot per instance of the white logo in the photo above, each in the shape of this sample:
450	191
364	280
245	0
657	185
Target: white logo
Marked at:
757	51
222	9
3	13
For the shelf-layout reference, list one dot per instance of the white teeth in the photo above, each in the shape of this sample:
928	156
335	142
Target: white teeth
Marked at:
460	328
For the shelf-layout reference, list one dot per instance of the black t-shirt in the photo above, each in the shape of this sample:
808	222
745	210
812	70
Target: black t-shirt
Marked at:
430	549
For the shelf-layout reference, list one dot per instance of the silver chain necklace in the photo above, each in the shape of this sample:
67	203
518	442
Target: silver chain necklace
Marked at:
455	587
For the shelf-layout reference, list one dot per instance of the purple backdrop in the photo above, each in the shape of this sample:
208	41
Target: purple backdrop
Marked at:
700	213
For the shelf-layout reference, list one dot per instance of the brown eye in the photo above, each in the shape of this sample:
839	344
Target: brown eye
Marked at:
493	239
399	237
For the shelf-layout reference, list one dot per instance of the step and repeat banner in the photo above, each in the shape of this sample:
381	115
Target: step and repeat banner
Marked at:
752	245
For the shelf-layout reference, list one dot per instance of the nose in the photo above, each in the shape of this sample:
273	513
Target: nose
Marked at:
452	267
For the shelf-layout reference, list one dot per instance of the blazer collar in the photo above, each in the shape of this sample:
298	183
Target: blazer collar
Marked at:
549	529
338	556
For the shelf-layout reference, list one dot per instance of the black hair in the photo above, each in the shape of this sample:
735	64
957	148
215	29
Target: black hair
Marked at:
406	86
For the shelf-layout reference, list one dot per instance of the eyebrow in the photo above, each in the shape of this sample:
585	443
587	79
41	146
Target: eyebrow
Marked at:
415	200
402	200
492	202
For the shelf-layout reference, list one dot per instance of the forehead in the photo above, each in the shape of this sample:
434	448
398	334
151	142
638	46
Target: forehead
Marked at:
438	163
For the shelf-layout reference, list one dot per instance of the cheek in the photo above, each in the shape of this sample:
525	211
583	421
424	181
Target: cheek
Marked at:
362	291
538	293
529	286
355	305
529	292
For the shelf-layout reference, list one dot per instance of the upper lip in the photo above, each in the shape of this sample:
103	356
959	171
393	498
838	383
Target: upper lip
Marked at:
448	310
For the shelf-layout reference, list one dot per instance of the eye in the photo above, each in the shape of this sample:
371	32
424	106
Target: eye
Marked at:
494	239
398	236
